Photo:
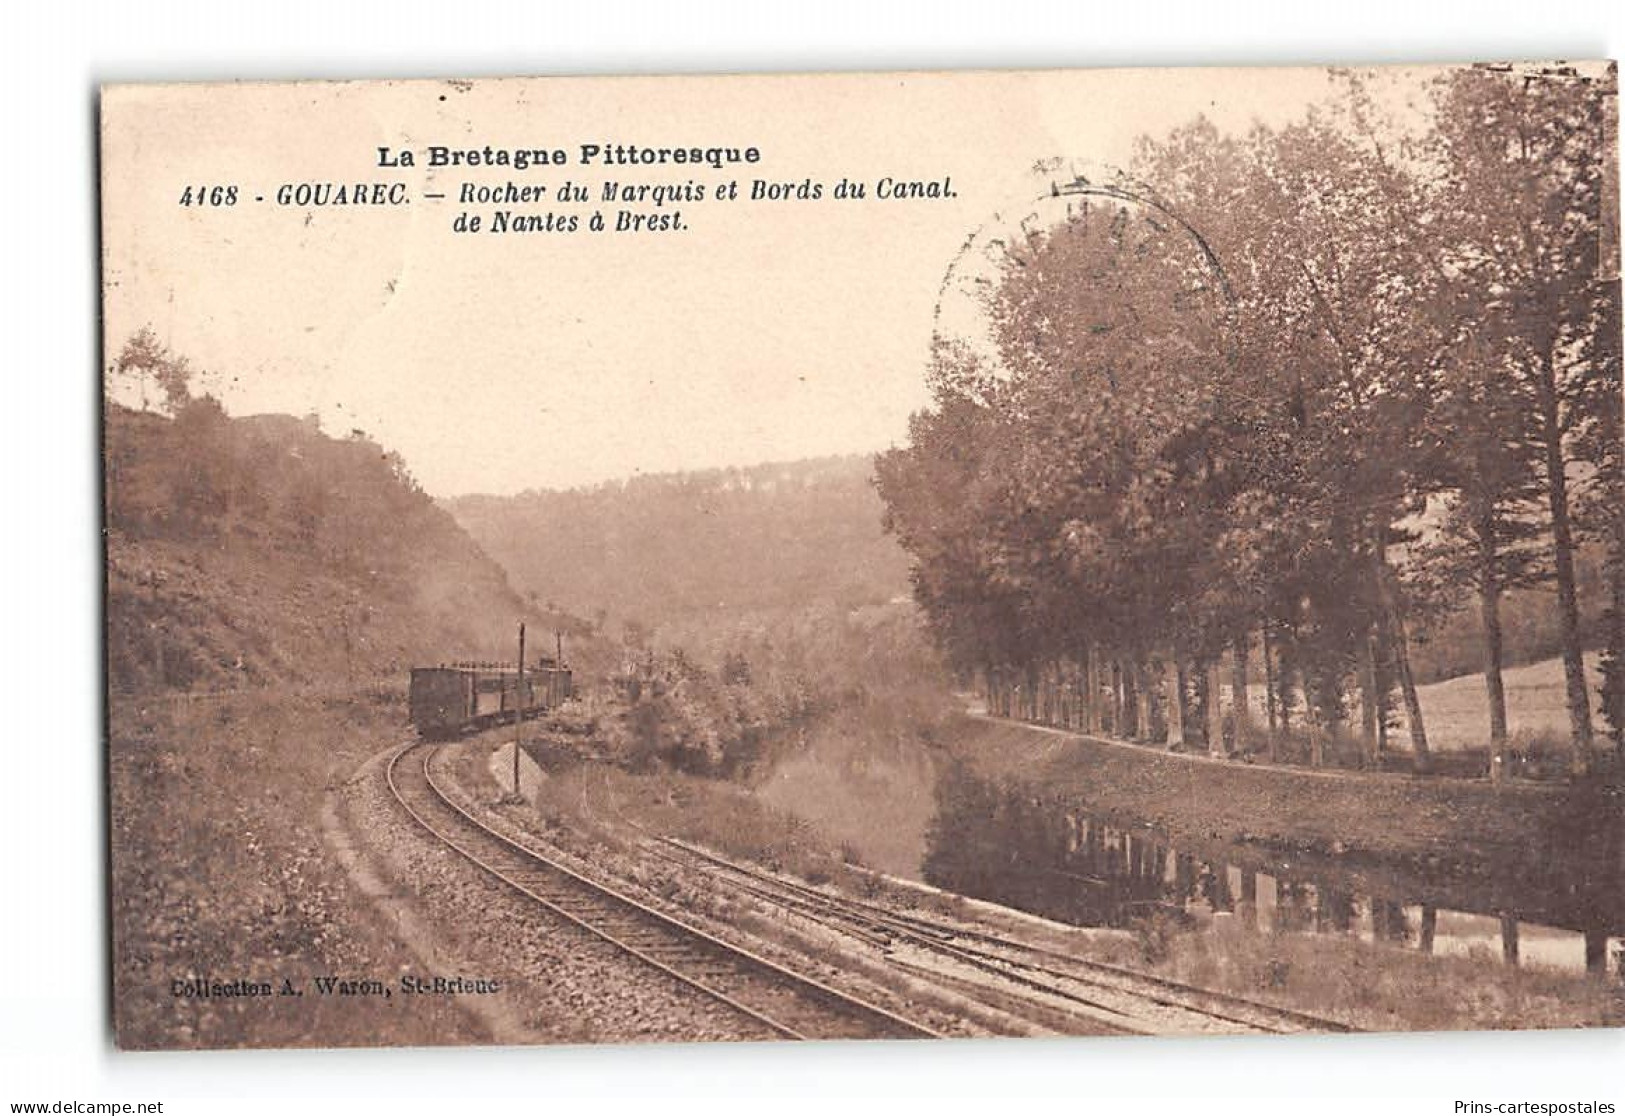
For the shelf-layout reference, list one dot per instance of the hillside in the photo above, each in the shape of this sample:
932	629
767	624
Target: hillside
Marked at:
688	549
259	551
1453	645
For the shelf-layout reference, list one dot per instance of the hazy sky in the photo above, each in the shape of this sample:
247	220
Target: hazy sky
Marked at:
493	363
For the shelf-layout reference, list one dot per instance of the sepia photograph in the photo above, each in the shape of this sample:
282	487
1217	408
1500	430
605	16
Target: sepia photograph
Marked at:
876	555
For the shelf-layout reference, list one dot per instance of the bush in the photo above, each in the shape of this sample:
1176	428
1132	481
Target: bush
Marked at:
1153	936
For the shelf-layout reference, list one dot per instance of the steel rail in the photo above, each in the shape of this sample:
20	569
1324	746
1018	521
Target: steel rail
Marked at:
707	947
1221	1006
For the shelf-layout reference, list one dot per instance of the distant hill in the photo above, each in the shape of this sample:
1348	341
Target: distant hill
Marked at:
696	548
259	551
1453	646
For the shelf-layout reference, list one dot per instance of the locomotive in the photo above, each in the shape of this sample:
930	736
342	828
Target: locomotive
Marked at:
454	698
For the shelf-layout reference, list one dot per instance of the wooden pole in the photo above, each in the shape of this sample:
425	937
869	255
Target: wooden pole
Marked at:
519	710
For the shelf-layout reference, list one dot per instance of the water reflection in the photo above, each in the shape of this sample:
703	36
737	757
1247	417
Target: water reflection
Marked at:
1012	846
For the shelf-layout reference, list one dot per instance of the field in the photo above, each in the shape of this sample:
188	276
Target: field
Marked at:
1456	711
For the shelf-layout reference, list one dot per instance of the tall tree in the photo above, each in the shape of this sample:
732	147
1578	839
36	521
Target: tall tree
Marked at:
1528	169
1492	538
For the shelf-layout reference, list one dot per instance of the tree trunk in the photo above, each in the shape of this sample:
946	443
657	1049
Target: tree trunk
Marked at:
1369	702
1393	921
1269	692
1424	933
1091	690
1174	686
1215	712
1289	679
1335	910
1613	692
1240	716
1184	877
1395	611
1596	951
1384	638
1284	705
1490	609
1142	701
1407	685
1119	703
1100	693
1509	939
1379	637
1568	608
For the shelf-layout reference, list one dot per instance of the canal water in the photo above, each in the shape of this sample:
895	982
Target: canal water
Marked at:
1013	846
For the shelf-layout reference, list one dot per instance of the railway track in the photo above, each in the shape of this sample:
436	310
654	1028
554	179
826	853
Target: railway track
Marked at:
1050	981
773	1000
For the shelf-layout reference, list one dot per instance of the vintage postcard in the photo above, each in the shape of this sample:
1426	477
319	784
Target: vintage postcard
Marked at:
902	556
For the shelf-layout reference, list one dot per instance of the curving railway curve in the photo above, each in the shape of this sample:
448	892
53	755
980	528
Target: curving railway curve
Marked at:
773	1001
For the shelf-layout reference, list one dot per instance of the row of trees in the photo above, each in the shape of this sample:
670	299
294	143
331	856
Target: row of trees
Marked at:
1307	391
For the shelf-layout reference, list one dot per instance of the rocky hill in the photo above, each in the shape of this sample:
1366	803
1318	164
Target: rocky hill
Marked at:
260	551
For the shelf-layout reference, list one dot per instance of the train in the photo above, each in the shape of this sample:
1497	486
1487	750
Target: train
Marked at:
454	698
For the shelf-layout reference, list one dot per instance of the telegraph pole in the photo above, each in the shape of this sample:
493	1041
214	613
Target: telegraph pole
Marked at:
519	710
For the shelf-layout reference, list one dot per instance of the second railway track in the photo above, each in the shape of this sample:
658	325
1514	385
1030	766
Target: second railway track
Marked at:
1116	998
771	999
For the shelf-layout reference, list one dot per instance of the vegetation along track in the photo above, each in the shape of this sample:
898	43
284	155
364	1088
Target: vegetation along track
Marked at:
784	1003
1117	998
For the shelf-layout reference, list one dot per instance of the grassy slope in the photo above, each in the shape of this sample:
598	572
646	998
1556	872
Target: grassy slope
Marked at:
220	872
